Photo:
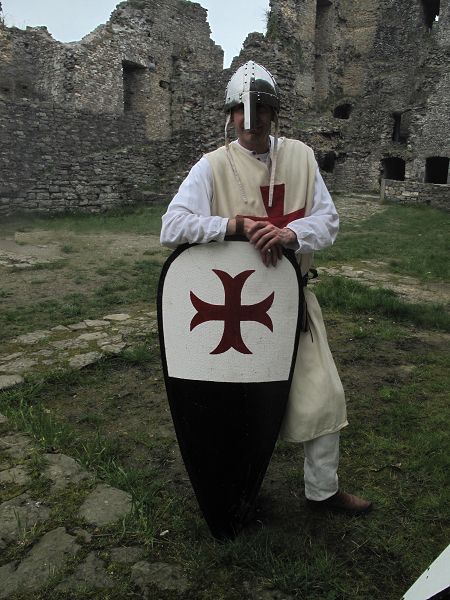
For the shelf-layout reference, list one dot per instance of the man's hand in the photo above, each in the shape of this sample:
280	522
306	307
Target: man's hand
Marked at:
272	256
265	235
270	240
267	238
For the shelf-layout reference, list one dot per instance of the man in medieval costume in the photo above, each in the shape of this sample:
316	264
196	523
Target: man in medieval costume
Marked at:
269	189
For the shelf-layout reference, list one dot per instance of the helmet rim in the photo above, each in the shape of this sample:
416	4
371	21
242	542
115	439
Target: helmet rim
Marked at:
255	81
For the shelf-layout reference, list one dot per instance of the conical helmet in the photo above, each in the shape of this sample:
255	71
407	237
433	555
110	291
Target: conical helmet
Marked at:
250	85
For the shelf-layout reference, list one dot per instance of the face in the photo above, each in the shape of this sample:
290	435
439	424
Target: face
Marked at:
256	139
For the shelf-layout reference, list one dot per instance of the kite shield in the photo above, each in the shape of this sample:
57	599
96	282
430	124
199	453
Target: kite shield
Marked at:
229	330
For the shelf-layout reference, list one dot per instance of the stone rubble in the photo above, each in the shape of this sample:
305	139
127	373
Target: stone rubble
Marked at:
165	576
51	553
74	346
90	573
62	470
42	552
7	381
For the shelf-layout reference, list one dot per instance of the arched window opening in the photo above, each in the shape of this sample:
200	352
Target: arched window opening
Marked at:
326	161
342	111
393	168
430	11
436	169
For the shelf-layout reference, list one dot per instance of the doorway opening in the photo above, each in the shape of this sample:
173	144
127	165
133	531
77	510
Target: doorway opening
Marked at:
327	161
430	12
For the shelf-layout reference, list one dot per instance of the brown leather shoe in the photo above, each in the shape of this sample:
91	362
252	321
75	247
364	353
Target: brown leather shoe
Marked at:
342	502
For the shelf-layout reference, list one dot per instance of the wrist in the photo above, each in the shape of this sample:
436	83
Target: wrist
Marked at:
291	236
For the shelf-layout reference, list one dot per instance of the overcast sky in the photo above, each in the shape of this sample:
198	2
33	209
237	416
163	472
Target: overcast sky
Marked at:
70	20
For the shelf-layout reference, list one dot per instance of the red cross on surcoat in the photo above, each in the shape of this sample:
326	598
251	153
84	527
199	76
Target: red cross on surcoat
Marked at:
275	213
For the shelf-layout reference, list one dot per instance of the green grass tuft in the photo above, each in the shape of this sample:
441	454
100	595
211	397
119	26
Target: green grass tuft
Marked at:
351	297
412	241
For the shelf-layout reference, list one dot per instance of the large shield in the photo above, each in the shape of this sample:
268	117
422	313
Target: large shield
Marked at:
229	330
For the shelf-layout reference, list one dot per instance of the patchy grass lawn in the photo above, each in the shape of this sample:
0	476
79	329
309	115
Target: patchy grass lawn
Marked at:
114	418
394	363
102	263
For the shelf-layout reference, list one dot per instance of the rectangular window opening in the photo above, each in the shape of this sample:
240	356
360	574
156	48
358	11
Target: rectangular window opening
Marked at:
393	167
431	10
133	80
436	169
398	133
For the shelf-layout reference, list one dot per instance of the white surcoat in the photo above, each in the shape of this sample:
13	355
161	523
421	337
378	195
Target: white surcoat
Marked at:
316	403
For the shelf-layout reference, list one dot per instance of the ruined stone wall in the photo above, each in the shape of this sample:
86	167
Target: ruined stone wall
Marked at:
138	78
103	180
38	136
413	192
366	84
27	58
147	55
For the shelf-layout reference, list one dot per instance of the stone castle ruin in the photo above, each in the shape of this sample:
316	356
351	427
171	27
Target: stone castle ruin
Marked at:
119	116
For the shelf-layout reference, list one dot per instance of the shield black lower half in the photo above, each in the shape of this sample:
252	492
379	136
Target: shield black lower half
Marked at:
227	433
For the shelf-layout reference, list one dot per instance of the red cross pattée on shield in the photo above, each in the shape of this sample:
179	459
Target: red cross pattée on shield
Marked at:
232	312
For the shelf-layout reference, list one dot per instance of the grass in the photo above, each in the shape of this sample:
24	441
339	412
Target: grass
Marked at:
396	452
125	285
412	240
114	419
143	220
347	295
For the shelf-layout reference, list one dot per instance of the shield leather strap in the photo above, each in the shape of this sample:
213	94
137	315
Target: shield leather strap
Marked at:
305	279
239	225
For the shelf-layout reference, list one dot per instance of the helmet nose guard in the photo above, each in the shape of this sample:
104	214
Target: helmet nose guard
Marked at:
251	85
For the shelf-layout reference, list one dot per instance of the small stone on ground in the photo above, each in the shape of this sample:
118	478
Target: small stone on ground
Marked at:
117	317
162	575
20	515
44	560
79	361
105	505
8	381
89	574
16	475
127	555
62	470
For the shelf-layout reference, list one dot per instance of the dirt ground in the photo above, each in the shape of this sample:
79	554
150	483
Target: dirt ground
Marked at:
42	265
55	263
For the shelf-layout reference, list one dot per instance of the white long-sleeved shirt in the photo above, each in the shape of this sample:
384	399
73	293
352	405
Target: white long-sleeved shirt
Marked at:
188	218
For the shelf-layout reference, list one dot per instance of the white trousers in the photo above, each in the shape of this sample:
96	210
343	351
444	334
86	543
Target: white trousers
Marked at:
321	465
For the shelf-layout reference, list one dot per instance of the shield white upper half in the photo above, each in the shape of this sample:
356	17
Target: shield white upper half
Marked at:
224	326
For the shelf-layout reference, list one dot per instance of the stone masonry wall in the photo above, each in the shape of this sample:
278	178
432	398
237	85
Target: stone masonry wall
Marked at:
381	63
38	136
365	84
66	107
412	192
107	179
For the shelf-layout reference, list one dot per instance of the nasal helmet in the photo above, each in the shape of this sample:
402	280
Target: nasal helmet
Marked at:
250	85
